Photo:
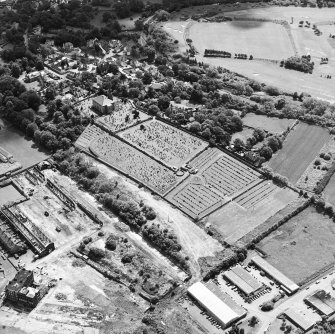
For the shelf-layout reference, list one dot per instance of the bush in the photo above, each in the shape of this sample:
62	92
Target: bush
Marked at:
110	243
127	258
317	162
96	253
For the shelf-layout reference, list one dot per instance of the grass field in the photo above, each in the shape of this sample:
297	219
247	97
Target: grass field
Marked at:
243	37
249	210
299	149
265	40
243	135
269	124
302	246
329	192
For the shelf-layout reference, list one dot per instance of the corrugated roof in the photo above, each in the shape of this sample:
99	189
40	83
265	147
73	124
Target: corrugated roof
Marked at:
213	304
301	320
320	304
275	273
242	279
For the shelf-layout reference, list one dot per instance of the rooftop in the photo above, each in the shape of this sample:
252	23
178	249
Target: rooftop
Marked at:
103	100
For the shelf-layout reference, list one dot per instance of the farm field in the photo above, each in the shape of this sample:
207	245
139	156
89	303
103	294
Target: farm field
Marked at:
134	163
243	37
302	246
164	142
249	210
270	124
220	177
303	39
301	146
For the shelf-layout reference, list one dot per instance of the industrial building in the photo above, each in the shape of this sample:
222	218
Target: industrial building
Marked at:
21	290
300	319
223	313
286	283
322	302
38	241
248	284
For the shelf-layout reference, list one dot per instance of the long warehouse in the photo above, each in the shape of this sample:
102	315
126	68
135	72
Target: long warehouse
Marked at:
225	315
248	284
278	276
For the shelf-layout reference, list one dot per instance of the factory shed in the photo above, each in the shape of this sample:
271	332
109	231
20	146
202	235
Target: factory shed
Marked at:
322	301
300	320
243	280
277	275
223	313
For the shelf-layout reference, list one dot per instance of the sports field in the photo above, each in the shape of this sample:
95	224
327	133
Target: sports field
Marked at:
302	246
270	124
243	37
249	210
299	149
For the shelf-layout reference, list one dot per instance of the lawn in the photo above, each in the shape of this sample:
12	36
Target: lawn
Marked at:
243	37
299	149
329	192
269	124
302	246
243	135
233	220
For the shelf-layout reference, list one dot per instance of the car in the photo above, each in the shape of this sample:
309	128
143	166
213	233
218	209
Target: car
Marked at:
317	282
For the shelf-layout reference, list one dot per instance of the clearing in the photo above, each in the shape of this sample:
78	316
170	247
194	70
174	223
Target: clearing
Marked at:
270	124
302	246
299	149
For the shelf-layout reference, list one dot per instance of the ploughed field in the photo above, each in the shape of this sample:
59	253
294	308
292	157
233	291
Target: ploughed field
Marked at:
302	246
299	149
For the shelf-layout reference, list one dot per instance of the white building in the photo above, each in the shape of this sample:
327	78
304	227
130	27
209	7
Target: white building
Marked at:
223	313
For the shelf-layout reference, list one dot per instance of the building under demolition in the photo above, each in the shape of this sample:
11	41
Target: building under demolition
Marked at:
21	289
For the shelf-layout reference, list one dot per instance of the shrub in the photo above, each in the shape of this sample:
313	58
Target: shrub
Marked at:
110	243
96	253
317	162
127	258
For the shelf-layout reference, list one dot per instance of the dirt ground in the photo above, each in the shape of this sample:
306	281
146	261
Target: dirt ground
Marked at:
300	148
234	221
82	302
195	242
302	246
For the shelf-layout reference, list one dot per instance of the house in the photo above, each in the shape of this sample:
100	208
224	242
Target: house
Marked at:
33	76
102	104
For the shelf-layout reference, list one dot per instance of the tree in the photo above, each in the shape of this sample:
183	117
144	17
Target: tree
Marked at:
266	152
39	65
195	127
16	70
96	253
153	110
147	78
139	24
31	98
196	96
238	144
110	243
163	102
151	54
31	129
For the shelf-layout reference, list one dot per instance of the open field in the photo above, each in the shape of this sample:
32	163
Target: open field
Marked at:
249	210
302	246
301	146
134	163
329	191
243	135
205	35
219	177
243	37
270	124
164	142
